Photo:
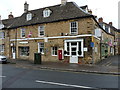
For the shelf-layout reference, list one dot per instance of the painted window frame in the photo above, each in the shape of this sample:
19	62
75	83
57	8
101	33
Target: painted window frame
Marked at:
26	49
74	40
2	35
41	46
46	12
54	51
41	31
72	27
2	48
22	32
29	16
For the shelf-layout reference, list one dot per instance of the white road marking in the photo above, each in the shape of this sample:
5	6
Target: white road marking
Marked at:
2	76
61	84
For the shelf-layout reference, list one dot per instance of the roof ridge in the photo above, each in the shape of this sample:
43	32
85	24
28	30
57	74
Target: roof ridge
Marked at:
81	9
46	7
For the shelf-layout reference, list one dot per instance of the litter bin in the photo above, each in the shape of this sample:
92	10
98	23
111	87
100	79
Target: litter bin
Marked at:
37	58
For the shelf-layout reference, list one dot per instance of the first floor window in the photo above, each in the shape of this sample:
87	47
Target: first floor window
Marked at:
41	30
24	51
2	48
41	47
74	28
22	32
54	51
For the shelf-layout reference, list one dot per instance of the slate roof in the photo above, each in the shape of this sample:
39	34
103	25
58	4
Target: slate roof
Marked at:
115	29
8	22
59	13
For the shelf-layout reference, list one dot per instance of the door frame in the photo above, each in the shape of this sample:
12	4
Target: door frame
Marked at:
13	52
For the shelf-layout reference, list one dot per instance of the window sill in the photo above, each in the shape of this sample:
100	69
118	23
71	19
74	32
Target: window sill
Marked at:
22	37
55	55
42	36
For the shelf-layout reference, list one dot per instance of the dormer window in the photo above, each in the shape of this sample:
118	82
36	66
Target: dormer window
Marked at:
46	12
29	16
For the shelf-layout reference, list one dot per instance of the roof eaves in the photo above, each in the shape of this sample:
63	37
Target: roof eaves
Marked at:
50	21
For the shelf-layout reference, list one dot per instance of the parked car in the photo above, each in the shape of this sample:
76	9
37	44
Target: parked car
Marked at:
3	59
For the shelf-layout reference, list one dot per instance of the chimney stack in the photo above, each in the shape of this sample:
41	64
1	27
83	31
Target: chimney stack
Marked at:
26	6
100	19
90	11
110	23
0	17
10	16
63	2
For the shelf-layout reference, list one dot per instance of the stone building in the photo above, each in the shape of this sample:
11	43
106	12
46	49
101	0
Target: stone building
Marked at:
64	32
109	40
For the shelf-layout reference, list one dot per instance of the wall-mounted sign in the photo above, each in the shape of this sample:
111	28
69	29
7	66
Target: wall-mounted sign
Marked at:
91	44
23	42
11	44
45	39
86	49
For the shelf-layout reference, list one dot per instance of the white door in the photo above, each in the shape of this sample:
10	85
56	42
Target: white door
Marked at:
13	52
74	52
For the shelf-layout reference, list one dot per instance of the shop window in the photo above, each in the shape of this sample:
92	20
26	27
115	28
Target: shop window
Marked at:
54	51
41	47
24	51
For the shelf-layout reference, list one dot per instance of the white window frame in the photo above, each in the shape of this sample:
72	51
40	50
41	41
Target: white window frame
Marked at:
41	47
22	32
2	48
109	30
76	40
98	32
46	12
53	51
2	35
28	16
41	30
74	33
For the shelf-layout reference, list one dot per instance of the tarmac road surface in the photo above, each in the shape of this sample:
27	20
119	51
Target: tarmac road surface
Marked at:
16	77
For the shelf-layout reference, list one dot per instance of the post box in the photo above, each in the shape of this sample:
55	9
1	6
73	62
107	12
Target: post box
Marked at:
60	54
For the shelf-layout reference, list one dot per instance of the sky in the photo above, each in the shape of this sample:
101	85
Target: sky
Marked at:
108	9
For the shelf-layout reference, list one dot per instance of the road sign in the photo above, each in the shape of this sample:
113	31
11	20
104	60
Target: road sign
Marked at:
91	44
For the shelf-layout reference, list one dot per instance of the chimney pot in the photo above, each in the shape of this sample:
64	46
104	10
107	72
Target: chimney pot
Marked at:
100	19
90	11
110	23
26	6
10	16
63	2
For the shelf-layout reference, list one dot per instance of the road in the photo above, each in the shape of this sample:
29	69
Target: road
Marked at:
16	77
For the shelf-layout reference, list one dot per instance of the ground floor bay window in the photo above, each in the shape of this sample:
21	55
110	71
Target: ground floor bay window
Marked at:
74	49
24	51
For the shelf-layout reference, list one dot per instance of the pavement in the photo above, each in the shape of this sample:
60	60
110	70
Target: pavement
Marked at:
104	67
